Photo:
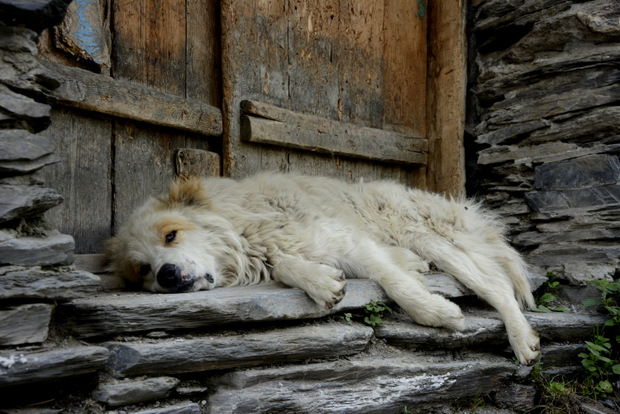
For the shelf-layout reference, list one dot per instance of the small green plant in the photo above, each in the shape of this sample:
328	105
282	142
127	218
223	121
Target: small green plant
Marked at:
374	313
555	393
545	296
602	360
347	317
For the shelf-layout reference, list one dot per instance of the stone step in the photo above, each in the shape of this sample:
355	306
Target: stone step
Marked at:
52	249
208	352
25	324
486	328
109	314
21	282
214	352
368	384
21	367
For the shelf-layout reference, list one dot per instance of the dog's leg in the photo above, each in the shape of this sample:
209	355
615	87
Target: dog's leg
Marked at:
484	274
398	272
324	284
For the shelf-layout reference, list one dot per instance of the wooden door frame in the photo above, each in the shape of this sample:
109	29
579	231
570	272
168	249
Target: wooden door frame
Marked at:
446	89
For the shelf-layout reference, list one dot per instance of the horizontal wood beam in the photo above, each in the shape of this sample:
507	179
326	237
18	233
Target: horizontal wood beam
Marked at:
267	124
102	94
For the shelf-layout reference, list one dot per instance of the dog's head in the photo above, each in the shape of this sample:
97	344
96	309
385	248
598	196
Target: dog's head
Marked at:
171	244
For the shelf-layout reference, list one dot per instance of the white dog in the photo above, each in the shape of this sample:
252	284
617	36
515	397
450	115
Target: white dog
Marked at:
308	232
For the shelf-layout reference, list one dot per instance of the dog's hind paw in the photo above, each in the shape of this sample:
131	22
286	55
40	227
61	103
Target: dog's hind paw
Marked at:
527	348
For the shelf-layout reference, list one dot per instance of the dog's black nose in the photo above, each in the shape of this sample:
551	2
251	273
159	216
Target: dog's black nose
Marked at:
167	276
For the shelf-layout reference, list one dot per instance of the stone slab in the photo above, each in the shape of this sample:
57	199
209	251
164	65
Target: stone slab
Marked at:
17	367
124	312
583	172
182	408
486	328
366	385
166	357
22	152
54	249
106	314
17	282
595	198
35	14
134	392
35	114
25	324
26	201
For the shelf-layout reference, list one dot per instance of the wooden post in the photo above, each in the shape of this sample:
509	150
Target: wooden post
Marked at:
447	80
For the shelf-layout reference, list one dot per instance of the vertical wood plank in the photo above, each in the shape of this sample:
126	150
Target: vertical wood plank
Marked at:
149	47
149	43
360	63
203	52
143	164
83	178
405	55
404	75
446	97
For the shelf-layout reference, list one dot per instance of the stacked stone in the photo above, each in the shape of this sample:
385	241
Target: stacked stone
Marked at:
35	259
546	130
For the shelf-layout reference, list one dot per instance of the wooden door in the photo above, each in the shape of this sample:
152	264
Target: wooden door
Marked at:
355	89
325	87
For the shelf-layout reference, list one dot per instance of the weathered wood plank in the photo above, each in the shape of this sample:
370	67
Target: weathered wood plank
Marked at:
268	124
144	165
125	99
199	163
202	71
447	79
83	178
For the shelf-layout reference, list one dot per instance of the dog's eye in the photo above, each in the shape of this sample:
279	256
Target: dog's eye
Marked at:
170	236
144	270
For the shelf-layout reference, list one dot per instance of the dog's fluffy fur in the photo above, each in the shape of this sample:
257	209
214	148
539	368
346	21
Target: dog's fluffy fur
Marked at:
309	232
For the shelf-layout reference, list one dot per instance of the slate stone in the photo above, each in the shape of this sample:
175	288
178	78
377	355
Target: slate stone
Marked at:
101	315
35	283
214	352
182	408
25	324
517	397
134	392
484	328
34	14
142	312
26	201
590	171
595	198
360	385
55	249
22	152
25	367
36	115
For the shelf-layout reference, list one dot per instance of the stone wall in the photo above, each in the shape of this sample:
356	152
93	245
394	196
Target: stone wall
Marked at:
68	346
544	129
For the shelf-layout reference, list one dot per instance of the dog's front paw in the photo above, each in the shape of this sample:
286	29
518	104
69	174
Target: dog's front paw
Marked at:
335	294
328	289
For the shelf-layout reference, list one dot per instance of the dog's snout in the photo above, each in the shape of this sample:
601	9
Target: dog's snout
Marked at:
167	276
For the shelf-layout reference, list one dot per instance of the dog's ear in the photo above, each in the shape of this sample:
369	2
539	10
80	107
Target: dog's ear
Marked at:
189	192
